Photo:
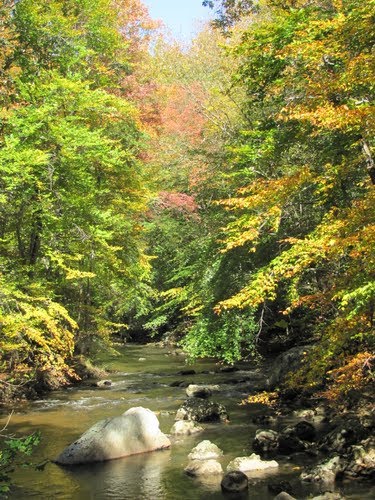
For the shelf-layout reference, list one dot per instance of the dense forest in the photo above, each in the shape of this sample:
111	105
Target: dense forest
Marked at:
221	194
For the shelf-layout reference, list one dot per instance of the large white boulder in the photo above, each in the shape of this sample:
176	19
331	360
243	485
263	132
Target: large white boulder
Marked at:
135	431
253	462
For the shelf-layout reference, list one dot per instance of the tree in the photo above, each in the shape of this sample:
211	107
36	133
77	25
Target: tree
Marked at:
72	192
309	201
230	11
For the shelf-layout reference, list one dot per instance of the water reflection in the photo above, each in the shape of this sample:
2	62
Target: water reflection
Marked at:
134	477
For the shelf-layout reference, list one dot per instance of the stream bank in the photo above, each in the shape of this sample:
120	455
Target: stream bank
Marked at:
152	377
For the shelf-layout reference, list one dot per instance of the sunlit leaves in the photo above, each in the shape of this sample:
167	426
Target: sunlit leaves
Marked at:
36	333
72	191
309	89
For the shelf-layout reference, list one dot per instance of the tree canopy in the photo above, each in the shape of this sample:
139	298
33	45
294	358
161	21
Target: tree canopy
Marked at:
221	193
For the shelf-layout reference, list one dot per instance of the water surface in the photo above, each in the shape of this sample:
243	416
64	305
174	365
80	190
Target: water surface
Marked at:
65	415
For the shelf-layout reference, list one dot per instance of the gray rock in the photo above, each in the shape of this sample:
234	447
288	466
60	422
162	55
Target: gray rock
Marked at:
304	430
187	372
254	380
304	414
365	411
293	438
329	496
234	482
135	431
177	383
324	473
347	431
266	441
200	391
201	410
286	362
289	443
265	419
102	384
185	428
253	462
362	462
284	496
228	369
180	383
205	450
204	468
317	415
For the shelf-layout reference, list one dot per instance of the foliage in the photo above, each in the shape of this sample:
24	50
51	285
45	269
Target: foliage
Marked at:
72	187
264	398
286	241
228	337
229	11
313	211
223	191
354	374
11	451
37	335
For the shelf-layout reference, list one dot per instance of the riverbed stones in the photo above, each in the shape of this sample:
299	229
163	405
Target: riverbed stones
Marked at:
264	419
266	441
251	463
204	468
228	369
198	391
304	430
187	372
362	462
185	428
329	496
201	410
205	450
235	482
316	415
324	473
289	442
102	384
284	496
180	383
135	431
347	431
201	391
292	439
203	460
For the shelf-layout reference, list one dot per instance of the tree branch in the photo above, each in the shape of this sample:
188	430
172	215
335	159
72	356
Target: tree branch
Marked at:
369	160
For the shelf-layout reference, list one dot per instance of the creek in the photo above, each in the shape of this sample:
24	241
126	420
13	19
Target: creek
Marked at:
142	376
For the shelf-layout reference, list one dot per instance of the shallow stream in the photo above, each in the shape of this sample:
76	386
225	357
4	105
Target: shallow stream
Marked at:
141	376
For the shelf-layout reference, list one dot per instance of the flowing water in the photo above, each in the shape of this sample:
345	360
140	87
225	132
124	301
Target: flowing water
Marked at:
141	376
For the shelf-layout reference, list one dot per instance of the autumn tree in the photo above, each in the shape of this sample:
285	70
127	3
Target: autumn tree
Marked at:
306	212
72	194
